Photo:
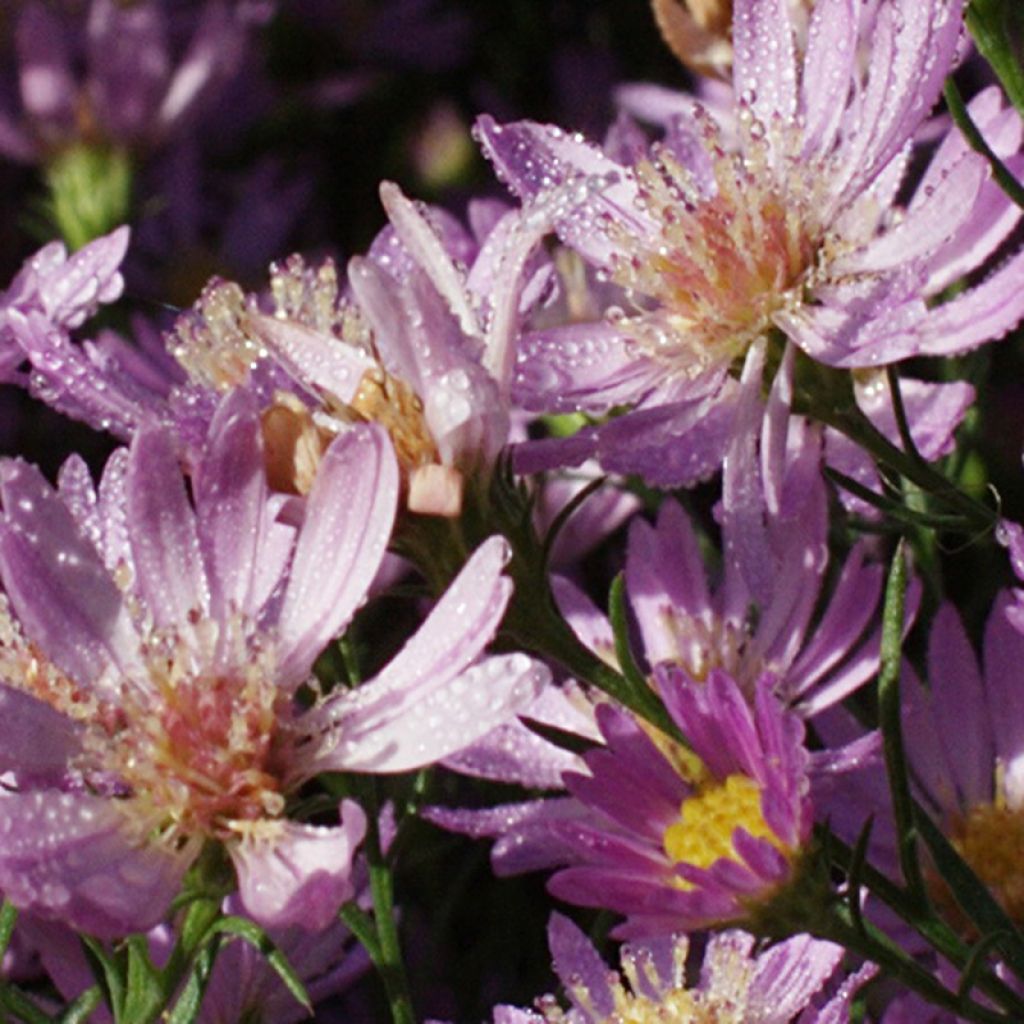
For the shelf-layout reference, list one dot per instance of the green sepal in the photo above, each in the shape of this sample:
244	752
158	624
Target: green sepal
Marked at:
109	970
186	1008
82	1008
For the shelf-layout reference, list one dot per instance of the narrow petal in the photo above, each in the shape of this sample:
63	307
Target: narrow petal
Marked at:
345	534
461	624
231	493
764	67
60	590
162	531
436	721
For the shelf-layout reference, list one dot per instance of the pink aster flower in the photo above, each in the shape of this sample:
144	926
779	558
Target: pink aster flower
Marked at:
796	231
737	982
151	665
420	339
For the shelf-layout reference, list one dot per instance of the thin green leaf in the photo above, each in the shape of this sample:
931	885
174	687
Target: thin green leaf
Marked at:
13	1000
976	963
188	1004
109	971
989	22
620	633
889	712
855	875
8	918
894	509
564	515
562	738
249	931
82	1008
361	925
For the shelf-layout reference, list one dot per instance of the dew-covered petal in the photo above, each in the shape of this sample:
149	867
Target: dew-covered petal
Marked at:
61	592
588	366
535	159
300	875
230	491
33	736
458	628
71	856
828	66
162	531
430	723
577	963
764	67
788	974
349	514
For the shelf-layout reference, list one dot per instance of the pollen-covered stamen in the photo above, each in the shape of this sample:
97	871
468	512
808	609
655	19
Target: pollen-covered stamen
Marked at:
729	252
214	340
708	818
198	748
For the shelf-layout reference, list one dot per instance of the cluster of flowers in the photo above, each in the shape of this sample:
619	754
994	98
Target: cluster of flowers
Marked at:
355	524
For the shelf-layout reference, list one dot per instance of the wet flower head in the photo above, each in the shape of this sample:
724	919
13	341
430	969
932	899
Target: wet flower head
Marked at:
738	241
228	341
190	741
153	681
737	984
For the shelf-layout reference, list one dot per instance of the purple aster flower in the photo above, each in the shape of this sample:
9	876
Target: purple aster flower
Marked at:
964	741
737	983
796	231
151	664
681	839
758	620
135	89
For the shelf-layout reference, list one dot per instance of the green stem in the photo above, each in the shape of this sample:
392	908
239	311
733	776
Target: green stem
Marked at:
858	428
863	938
889	708
380	937
930	927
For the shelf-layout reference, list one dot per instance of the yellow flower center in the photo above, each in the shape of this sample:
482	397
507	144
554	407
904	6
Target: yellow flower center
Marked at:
707	820
991	840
